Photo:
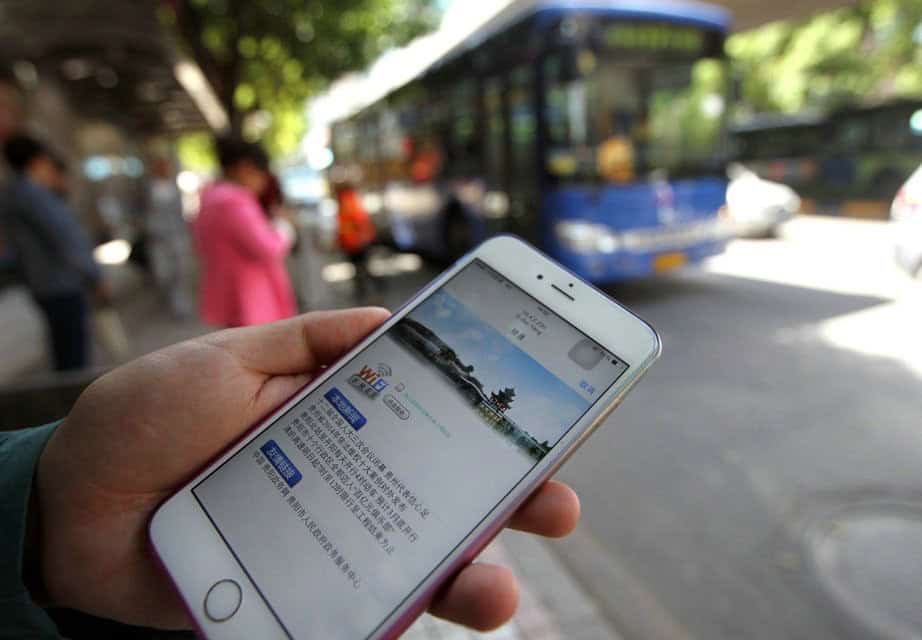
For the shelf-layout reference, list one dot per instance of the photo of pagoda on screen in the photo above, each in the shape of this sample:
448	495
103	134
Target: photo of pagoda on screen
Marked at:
512	393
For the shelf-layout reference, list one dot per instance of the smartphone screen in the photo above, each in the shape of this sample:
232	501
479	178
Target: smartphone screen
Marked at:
339	509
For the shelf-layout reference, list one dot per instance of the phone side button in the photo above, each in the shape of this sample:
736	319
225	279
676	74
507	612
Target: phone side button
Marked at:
223	600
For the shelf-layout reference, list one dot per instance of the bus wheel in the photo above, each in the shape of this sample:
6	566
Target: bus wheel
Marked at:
458	233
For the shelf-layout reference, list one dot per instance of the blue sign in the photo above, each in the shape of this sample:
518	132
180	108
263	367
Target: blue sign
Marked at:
281	462
349	413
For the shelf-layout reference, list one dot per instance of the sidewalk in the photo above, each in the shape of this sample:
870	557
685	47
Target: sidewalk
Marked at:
149	328
22	338
552	604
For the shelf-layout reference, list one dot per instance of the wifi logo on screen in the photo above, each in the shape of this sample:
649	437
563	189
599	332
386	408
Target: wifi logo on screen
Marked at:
370	381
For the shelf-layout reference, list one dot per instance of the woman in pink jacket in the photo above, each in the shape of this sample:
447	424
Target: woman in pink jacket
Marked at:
242	253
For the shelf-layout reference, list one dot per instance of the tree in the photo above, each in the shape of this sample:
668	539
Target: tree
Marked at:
868	51
503	399
266	57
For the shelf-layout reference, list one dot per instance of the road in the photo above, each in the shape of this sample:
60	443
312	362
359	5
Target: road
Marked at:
765	479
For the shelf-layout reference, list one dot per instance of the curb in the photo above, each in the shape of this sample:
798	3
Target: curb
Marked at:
622	598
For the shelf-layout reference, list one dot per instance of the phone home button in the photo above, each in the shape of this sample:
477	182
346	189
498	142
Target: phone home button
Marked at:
223	600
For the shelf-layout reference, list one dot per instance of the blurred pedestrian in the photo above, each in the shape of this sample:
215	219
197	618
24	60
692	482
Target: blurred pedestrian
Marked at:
52	251
166	237
242	251
356	234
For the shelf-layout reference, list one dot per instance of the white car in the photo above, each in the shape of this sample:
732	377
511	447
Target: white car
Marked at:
906	213
757	207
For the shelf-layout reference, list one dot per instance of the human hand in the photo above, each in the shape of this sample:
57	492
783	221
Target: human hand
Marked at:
138	433
285	228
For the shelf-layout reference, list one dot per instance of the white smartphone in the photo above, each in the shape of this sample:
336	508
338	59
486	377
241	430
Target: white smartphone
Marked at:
342	513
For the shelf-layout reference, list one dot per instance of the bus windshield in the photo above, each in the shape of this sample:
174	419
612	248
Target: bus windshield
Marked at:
617	121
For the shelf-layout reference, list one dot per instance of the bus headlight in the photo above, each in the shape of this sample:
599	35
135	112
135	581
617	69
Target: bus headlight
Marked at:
587	237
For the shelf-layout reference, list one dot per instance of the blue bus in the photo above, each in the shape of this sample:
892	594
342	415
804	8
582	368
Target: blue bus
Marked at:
594	129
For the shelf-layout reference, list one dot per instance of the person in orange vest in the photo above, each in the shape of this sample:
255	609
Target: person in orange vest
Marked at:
355	236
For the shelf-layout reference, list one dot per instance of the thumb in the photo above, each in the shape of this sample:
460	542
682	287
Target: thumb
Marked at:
302	344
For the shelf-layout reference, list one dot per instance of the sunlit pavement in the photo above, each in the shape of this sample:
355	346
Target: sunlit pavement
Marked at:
765	479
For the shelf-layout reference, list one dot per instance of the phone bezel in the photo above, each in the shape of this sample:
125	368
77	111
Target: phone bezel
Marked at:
180	524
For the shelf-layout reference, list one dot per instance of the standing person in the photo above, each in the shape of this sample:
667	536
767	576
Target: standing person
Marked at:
242	251
166	236
355	235
53	252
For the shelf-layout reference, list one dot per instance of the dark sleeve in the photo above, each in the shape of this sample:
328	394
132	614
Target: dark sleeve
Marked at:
58	224
20	617
75	242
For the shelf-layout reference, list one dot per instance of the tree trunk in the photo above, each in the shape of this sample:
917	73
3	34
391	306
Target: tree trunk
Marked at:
232	70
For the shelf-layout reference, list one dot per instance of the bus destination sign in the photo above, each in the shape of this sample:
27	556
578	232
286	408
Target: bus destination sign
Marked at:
653	37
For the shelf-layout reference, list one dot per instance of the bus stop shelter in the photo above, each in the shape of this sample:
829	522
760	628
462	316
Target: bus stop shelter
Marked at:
113	62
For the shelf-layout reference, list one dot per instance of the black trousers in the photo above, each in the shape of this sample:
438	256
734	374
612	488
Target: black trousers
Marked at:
67	318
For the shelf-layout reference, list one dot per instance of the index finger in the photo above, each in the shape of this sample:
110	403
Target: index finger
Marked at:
553	511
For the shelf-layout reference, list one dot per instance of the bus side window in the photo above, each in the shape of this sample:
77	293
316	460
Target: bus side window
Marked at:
392	144
853	134
565	113
344	142
344	139
427	153
408	109
464	152
495	134
522	127
523	155
367	149
892	130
